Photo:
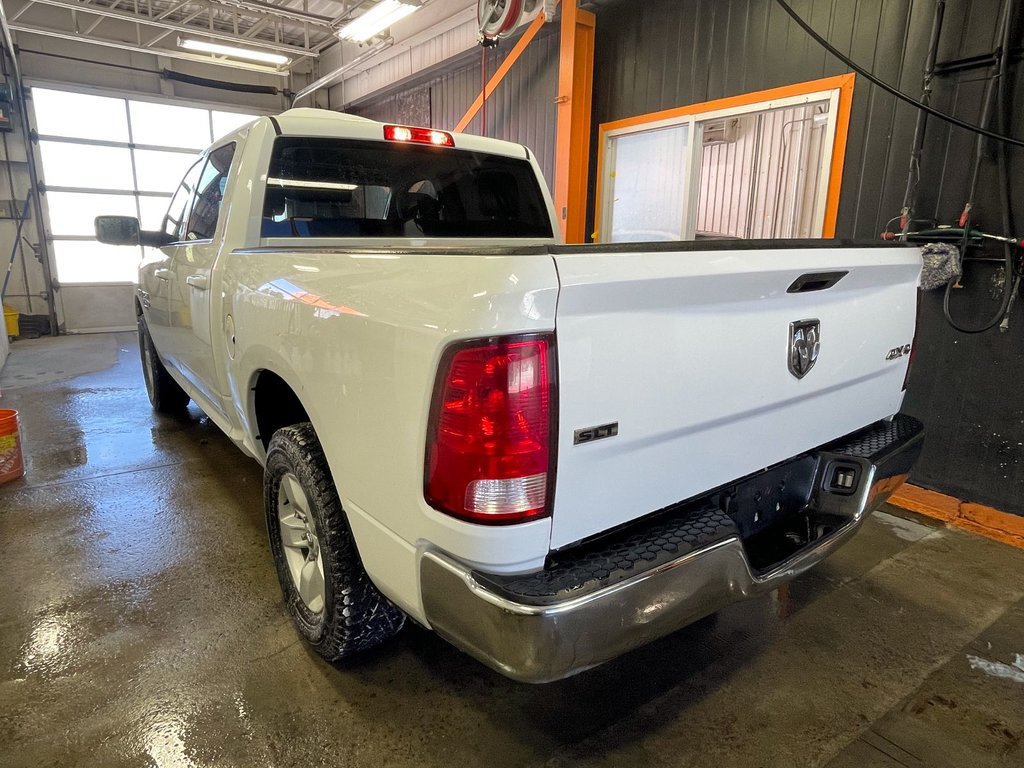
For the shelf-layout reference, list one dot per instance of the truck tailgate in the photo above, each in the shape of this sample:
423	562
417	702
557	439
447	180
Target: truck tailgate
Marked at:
686	348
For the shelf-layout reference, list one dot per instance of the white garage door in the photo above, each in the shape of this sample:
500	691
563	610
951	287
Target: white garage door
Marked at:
110	155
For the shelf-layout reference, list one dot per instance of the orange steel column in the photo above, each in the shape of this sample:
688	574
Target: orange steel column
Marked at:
572	140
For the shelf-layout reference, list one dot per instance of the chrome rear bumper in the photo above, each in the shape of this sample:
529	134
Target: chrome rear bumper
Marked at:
539	643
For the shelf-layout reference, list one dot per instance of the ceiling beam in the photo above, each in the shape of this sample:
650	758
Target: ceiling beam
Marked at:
261	7
171	54
134	18
157	38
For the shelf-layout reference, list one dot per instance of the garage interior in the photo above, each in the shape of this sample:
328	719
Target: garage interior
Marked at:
140	620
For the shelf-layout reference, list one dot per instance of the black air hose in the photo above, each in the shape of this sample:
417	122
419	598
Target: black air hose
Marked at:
1002	94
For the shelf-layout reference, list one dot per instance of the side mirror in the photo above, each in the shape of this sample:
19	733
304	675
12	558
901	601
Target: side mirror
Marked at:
124	230
117	230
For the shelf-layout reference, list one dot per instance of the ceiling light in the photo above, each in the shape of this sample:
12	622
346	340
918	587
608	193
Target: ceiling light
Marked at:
377	19
230	50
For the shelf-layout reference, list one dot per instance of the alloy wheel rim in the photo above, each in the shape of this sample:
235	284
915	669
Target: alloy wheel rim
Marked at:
301	543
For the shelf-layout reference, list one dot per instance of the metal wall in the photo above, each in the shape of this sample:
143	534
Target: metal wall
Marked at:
659	54
522	109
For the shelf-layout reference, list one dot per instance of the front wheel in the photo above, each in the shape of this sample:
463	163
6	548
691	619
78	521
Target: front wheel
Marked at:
165	394
330	597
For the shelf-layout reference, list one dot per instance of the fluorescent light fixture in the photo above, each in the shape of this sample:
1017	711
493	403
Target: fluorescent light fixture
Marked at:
230	50
377	19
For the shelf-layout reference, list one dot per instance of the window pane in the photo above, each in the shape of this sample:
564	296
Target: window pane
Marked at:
78	165
177	213
206	210
169	125
80	115
647	186
318	187
161	171
727	170
152	210
72	213
225	122
87	261
761	173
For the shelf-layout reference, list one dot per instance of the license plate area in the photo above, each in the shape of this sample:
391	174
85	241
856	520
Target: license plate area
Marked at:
760	502
773	510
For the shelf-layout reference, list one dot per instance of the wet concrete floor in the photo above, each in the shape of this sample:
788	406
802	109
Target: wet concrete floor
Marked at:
141	625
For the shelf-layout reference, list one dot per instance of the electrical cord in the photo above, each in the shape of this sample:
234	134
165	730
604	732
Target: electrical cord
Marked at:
890	89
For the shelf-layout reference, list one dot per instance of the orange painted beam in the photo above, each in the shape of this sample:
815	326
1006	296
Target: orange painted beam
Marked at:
976	518
500	73
835	177
572	134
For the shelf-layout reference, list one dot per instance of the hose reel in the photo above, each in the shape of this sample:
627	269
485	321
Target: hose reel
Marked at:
500	18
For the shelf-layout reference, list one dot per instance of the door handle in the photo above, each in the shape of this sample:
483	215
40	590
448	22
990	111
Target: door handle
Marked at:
202	282
163	274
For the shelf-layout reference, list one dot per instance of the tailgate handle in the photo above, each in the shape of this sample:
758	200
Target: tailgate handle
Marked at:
816	281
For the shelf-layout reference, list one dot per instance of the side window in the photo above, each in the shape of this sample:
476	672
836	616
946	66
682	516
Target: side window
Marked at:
174	221
210	194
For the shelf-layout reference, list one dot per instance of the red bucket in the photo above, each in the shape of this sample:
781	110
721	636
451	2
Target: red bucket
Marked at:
12	462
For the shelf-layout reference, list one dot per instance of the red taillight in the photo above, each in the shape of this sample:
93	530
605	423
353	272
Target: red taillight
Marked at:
489	441
418	135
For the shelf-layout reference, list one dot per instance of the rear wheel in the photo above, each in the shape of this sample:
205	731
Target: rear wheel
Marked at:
326	589
165	394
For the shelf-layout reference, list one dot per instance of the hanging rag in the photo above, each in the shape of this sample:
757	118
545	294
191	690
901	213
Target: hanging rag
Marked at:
941	265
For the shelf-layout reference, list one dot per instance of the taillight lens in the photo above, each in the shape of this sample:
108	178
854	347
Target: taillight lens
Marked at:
489	454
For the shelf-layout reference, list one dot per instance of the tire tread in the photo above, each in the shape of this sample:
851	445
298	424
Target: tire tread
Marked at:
356	616
166	395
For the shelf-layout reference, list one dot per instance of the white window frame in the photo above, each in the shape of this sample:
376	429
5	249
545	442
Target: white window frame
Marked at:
694	148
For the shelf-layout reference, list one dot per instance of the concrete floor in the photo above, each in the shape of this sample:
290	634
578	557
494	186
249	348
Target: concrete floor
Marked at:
141	625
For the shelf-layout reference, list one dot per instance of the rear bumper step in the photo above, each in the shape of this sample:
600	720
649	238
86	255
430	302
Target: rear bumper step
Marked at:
599	600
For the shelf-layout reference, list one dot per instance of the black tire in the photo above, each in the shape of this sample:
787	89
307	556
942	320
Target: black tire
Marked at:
355	616
165	394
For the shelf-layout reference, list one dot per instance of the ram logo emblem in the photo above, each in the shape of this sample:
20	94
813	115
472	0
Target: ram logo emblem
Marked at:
804	345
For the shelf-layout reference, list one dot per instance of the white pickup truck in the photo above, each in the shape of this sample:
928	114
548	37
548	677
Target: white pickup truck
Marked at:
548	454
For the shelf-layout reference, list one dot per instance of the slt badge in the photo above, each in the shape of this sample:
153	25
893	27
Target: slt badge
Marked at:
804	344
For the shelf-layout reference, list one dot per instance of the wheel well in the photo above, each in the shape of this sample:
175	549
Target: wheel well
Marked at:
138	309
275	405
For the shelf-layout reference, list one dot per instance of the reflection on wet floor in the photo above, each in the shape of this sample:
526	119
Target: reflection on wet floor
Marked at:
141	625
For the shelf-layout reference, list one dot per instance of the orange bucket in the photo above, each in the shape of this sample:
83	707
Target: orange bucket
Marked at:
12	462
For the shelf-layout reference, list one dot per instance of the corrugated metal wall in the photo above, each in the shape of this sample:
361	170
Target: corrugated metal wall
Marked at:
659	54
522	109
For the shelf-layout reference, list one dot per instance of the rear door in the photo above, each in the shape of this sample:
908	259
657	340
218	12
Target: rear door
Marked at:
714	361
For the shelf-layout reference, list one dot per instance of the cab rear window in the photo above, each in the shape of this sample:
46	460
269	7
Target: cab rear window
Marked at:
321	187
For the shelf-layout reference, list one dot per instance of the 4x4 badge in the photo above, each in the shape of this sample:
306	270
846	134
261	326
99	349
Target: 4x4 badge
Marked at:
804	343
